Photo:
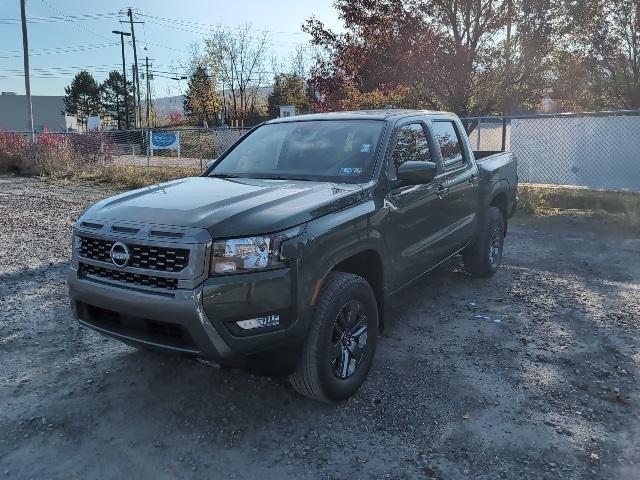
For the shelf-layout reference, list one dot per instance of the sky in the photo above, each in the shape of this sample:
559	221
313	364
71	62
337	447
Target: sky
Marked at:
66	36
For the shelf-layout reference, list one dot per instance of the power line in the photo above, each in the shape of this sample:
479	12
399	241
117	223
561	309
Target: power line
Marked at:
70	67
211	25
202	31
59	50
64	18
79	25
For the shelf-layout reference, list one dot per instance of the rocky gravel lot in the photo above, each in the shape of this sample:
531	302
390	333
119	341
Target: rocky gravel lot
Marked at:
531	374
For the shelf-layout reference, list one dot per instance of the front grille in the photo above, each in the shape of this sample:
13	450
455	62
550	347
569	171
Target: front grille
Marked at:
162	259
158	258
95	249
128	277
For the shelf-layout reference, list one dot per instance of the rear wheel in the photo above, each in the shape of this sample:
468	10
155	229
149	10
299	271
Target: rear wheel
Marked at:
485	257
342	340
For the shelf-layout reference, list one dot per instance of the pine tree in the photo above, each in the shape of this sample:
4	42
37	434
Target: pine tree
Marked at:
288	89
201	102
82	97
112	99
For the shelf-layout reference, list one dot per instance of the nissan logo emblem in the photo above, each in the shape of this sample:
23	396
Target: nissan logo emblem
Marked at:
119	254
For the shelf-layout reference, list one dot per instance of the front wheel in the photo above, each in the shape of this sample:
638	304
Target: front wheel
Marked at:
485	256
342	340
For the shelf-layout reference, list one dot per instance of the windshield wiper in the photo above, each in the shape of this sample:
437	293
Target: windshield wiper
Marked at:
275	177
223	175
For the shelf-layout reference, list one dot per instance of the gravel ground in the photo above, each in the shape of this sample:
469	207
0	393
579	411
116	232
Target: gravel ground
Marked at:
545	387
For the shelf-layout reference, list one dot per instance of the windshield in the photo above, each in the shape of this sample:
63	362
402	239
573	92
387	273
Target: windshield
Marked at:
326	150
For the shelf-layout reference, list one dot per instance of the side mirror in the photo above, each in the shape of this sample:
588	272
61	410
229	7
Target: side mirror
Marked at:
416	173
209	163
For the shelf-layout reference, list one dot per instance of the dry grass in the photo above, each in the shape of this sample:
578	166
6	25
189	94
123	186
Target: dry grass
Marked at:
80	160
123	177
562	200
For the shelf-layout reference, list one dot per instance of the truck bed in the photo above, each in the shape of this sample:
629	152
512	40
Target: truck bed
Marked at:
498	167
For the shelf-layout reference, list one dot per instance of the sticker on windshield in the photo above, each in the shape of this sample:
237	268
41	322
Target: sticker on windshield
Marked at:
365	148
350	171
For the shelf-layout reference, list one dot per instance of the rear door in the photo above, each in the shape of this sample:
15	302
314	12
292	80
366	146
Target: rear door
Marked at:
414	219
460	194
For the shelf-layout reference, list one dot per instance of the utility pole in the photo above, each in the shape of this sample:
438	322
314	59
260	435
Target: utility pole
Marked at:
135	63
148	88
507	63
148	112
134	87
124	77
27	79
508	42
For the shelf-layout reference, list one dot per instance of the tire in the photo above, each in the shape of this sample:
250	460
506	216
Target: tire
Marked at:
341	342
486	254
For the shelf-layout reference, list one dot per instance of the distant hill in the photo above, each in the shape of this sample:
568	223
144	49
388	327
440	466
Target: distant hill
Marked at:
165	105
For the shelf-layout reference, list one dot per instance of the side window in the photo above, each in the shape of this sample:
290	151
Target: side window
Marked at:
448	139
410	144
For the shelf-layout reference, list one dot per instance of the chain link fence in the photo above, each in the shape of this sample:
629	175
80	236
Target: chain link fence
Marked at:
597	150
176	147
184	147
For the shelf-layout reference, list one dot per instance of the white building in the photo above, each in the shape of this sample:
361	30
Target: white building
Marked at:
287	111
48	113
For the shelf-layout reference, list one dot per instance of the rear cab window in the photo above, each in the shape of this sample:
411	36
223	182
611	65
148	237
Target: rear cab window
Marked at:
448	139
409	144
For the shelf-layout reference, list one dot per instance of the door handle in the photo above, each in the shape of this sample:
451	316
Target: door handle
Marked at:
442	192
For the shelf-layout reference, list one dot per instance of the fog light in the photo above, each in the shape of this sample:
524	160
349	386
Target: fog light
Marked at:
268	321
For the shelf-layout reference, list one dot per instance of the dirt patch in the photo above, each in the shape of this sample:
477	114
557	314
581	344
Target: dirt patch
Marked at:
530	374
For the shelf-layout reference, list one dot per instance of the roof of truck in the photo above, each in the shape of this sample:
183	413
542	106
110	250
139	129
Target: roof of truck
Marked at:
360	115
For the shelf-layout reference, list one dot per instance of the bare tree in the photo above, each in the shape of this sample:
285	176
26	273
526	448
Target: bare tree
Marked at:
240	56
300	61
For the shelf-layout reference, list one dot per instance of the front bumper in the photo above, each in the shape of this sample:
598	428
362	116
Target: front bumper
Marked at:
198	321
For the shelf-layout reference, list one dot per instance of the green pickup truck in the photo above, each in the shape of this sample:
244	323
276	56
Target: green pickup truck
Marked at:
282	255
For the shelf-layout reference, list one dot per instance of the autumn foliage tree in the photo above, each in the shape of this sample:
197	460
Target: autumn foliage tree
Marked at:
288	89
479	57
452	55
202	101
598	63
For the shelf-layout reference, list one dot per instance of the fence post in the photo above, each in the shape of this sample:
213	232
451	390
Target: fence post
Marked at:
478	142
148	146
201	149
504	134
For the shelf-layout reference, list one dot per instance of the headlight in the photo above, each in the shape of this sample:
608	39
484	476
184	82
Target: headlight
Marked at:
240	255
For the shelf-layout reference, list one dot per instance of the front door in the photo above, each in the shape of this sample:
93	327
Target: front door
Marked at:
414	219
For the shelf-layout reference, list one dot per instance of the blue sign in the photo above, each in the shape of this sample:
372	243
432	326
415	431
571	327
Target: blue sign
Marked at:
163	140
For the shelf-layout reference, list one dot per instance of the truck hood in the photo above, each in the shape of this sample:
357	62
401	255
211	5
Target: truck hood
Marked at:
227	207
